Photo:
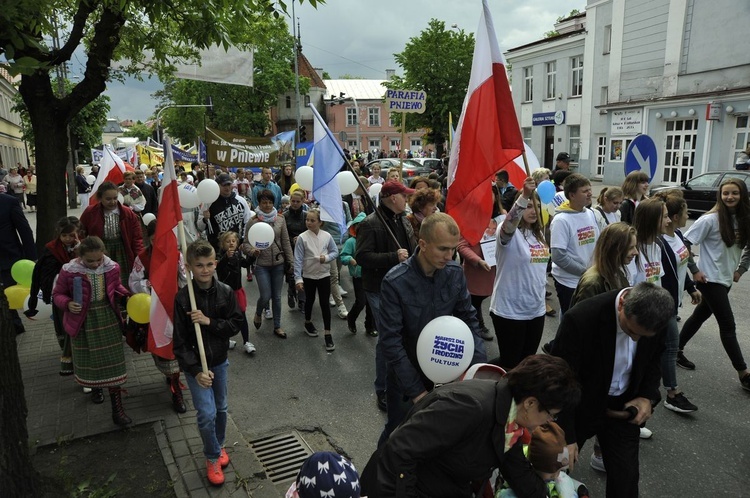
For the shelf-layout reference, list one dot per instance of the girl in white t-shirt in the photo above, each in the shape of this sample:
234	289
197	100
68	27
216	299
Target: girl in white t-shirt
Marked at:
608	209
649	222
722	233
517	303
675	261
375	177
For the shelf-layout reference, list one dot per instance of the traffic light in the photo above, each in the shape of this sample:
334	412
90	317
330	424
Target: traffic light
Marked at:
302	134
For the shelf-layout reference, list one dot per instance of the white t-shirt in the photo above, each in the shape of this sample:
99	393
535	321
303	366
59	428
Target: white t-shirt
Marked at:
646	267
603	218
681	255
521	277
576	232
717	261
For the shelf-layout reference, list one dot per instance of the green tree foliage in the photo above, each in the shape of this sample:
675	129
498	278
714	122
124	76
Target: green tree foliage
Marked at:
437	61
138	130
238	109
109	31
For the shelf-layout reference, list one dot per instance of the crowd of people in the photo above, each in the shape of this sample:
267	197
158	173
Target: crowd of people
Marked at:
619	268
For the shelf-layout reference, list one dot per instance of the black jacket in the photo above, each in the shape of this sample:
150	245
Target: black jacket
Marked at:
17	239
152	200
669	263
586	340
627	210
453	437
295	222
229	270
376	250
220	305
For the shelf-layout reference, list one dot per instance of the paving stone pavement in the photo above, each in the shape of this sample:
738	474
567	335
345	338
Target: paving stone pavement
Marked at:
59	410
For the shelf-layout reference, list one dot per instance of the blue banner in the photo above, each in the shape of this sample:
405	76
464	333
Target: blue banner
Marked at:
303	153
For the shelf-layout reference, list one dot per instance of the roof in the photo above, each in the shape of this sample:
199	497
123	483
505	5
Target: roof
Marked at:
305	69
359	89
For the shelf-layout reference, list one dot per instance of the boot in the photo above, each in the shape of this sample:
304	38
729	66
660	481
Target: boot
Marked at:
178	403
97	395
118	414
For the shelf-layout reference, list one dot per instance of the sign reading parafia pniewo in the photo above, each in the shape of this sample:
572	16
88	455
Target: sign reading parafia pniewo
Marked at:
405	100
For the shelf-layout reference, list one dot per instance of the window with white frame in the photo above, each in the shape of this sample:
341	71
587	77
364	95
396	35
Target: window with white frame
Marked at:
528	84
351	116
742	134
352	145
574	143
601	154
679	150
526	135
607	39
374	143
416	142
395	144
576	72
373	114
551	82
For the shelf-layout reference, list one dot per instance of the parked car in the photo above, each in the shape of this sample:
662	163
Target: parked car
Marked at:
410	170
700	191
430	162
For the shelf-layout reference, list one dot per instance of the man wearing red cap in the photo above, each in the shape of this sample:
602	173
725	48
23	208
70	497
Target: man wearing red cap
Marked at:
377	253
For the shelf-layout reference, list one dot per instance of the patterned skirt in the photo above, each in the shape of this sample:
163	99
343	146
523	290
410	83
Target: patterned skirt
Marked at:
165	366
116	250
98	353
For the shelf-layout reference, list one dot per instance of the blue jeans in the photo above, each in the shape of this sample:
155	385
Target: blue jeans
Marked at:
373	298
211	405
669	356
270	283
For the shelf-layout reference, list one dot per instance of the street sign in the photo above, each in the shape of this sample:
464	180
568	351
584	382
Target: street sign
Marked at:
342	136
641	156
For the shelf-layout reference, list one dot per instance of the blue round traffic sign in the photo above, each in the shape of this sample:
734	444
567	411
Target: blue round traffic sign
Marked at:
641	156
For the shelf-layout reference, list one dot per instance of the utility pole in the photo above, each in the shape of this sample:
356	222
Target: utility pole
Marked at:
297	47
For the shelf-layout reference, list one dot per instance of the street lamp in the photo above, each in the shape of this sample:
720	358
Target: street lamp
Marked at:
171	106
343	98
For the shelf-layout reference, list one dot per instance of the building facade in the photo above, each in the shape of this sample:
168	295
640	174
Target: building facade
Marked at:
676	70
12	147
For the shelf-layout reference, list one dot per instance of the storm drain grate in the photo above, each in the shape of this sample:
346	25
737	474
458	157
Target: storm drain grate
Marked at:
282	455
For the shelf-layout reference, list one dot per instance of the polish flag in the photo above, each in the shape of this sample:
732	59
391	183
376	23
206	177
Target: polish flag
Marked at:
165	257
111	169
487	138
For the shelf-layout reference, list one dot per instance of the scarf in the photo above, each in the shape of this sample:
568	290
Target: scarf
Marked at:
269	218
513	431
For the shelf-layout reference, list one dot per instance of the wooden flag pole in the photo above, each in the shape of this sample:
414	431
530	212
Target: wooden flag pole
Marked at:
403	139
191	293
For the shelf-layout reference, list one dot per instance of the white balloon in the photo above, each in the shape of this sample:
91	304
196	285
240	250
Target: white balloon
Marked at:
190	179
144	167
347	182
375	189
91	179
120	198
148	218
260	235
304	177
252	214
188	196
444	349
208	191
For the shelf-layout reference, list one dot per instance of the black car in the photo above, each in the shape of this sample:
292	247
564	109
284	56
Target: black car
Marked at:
411	168
700	191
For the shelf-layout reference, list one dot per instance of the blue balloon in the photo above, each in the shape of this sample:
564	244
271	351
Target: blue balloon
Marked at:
546	191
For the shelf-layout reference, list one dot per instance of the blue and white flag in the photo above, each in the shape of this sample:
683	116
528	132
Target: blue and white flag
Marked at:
326	160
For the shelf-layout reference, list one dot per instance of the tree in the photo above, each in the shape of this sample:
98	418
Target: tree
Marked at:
139	131
438	62
110	30
239	109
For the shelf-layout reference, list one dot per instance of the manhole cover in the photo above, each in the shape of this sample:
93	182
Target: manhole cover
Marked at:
282	455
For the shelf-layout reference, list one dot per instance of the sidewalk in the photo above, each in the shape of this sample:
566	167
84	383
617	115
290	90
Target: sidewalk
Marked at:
58	411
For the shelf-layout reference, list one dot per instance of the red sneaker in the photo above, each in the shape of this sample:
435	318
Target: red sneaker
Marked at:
223	458
214	473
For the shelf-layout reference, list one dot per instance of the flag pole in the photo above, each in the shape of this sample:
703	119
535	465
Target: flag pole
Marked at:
359	182
191	293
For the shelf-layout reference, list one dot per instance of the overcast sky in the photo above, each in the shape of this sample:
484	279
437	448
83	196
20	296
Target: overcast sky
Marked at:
359	37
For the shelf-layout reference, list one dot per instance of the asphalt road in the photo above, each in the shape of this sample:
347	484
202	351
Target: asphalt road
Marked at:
295	383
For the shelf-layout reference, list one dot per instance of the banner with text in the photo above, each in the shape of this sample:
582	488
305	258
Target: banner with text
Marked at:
405	100
239	151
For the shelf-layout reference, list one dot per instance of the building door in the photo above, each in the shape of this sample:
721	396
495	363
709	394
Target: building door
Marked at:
679	152
549	147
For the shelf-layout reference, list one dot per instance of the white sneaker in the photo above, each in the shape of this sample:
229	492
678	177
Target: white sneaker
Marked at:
342	292
86	390
646	433
268	314
331	301
232	344
597	463
342	312
249	348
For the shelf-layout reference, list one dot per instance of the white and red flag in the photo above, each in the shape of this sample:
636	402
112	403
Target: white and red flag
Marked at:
165	257
111	169
487	138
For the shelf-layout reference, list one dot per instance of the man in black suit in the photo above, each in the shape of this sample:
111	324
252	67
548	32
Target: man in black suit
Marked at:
17	242
613	342
152	200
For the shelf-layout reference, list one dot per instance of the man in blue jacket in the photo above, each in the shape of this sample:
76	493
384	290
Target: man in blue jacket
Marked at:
427	285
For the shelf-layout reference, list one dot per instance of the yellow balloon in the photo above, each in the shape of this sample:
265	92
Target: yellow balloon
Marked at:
139	308
16	295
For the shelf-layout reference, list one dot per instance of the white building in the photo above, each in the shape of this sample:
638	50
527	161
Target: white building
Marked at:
12	147
676	70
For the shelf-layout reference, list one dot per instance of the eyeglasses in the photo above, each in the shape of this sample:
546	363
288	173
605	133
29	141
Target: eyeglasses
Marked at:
552	417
